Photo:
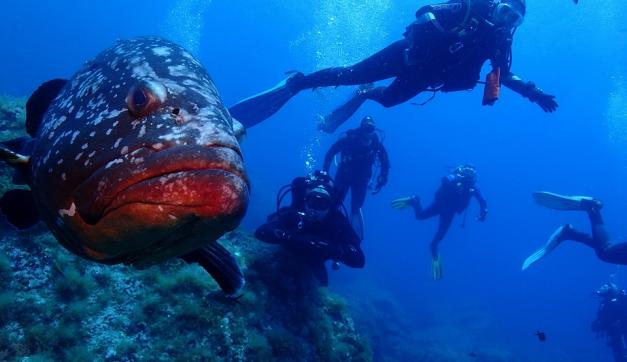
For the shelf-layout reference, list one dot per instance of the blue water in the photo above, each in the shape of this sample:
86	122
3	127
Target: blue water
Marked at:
578	53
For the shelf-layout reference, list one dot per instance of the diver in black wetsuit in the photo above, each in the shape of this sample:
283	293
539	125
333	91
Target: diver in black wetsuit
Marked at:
314	227
599	240
611	320
444	49
452	198
360	149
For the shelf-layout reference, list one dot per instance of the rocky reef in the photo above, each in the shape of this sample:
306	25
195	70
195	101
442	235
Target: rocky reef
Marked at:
55	306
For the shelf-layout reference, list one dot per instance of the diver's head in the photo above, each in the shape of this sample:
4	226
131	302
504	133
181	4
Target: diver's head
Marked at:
318	195
367	125
608	291
366	131
509	13
466	175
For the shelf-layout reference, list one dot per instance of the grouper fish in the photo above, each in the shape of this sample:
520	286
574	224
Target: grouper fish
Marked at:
133	160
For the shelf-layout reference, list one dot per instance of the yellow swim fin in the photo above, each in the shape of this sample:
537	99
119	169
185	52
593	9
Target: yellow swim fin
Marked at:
436	268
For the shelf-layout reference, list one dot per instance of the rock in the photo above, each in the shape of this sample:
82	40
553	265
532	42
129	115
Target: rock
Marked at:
55	305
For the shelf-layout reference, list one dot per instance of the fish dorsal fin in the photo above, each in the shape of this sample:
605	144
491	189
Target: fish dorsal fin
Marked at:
38	103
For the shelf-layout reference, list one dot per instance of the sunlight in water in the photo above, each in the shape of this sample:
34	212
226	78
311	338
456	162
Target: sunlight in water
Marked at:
344	32
185	23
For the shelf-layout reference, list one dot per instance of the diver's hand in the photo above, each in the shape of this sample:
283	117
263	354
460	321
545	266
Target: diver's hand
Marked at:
546	102
381	181
482	215
403	202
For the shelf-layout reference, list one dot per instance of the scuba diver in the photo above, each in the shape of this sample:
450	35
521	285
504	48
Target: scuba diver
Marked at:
443	50
314	227
611	320
360	149
451	198
599	240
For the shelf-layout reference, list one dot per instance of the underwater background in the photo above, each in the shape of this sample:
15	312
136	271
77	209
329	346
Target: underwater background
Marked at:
485	308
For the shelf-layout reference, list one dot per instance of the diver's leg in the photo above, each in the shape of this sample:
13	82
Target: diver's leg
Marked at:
341	182
402	89
387	63
358	197
446	218
429	212
604	249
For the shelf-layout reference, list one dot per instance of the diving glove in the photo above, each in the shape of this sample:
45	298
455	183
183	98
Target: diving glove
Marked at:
436	268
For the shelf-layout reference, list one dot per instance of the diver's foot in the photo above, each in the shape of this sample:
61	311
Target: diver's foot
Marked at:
364	88
294	81
590	204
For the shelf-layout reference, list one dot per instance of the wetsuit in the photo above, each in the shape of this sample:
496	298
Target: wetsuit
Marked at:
358	154
314	242
448	201
444	49
599	240
611	321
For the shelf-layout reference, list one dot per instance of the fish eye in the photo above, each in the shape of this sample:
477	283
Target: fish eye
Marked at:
145	98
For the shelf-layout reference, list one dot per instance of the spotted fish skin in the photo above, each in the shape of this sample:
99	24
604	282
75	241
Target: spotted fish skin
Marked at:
137	160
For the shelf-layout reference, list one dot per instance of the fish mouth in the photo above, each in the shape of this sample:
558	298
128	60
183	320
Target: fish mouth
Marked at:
208	181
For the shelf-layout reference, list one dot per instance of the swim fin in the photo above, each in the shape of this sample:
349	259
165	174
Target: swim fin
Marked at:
436	268
562	202
221	265
341	114
261	106
551	244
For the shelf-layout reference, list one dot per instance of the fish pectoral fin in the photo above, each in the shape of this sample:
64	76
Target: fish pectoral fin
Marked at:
39	101
19	207
221	265
239	131
12	157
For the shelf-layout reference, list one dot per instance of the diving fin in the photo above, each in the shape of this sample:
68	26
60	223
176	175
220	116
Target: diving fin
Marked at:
561	202
19	207
332	121
261	106
221	265
436	268
551	244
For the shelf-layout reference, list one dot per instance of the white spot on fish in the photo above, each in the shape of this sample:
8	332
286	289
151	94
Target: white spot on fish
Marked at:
116	161
78	156
92	134
74	135
84	146
117	143
142	131
68	212
124	150
162	51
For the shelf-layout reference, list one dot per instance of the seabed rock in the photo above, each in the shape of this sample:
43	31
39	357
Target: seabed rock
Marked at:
56	306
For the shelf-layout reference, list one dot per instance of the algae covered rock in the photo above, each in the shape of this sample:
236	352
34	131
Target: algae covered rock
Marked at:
12	119
55	306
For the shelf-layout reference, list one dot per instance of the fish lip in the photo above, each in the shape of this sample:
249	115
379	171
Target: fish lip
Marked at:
96	194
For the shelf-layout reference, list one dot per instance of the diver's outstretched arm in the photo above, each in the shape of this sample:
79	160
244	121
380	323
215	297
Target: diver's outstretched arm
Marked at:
529	90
